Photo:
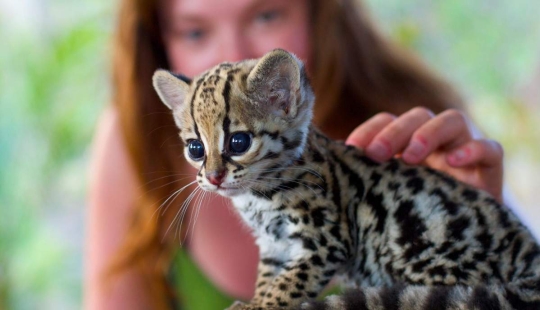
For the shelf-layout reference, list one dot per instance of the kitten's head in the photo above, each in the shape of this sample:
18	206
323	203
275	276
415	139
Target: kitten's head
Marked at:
241	121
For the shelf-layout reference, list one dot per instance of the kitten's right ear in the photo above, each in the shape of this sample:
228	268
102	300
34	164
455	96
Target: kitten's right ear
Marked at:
172	89
276	80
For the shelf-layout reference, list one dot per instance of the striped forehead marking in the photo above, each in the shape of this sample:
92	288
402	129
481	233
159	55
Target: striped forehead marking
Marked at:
205	89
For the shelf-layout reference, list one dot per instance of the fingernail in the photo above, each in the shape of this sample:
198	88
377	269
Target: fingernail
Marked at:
458	156
378	150
415	149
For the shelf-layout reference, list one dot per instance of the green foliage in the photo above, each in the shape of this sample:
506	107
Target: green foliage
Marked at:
482	46
54	82
194	289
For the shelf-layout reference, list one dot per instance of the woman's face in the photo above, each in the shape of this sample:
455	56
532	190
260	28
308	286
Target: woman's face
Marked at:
199	34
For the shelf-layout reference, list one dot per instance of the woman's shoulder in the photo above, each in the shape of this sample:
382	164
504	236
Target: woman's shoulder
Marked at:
112	194
110	165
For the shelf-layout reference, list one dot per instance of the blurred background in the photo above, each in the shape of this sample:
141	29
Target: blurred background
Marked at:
54	82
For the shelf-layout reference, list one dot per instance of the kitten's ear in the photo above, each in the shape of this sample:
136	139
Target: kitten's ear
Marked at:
172	89
275	80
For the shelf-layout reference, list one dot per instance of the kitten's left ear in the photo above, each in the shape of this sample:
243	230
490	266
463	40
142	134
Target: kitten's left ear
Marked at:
275	81
172	89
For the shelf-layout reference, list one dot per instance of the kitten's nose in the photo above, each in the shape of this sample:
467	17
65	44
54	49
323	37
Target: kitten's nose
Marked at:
216	177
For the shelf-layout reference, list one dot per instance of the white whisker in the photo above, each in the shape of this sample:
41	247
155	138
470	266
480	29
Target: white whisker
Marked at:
161	186
183	208
173	196
298	181
285	168
200	204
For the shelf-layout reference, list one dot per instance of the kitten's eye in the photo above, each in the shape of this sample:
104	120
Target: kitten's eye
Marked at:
240	142
195	149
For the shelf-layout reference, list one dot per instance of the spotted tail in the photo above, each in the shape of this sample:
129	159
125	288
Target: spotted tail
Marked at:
525	296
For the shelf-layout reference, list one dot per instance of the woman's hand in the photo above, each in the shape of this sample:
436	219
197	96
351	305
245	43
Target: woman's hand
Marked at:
443	142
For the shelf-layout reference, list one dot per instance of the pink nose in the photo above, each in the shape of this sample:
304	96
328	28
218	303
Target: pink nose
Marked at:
216	177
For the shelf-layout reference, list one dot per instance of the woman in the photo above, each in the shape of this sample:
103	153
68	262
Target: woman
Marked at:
137	161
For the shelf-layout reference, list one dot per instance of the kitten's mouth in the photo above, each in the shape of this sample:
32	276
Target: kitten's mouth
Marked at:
229	191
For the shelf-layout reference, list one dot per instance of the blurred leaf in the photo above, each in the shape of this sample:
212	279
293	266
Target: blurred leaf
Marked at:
53	84
407	34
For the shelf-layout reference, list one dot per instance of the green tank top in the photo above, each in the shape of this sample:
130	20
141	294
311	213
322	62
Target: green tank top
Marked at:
194	290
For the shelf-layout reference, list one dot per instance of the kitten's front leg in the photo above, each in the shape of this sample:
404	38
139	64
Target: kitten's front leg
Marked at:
238	305
267	270
297	281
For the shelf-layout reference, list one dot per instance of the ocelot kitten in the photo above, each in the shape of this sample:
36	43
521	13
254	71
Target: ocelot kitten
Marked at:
402	237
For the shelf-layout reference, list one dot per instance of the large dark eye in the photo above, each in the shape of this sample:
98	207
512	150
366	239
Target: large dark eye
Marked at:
240	142
195	149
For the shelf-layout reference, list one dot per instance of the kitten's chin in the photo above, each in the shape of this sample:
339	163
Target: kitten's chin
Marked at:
230	192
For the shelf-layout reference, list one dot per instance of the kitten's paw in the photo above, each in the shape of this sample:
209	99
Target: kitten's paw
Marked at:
238	305
330	302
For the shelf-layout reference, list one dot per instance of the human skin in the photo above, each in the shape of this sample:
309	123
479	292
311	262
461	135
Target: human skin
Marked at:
199	34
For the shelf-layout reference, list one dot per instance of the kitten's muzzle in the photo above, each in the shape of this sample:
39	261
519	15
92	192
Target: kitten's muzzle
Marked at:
216	177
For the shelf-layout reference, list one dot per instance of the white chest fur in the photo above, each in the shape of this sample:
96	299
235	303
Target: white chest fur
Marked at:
272	228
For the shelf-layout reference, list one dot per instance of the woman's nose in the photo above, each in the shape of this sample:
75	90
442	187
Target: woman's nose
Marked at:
235	47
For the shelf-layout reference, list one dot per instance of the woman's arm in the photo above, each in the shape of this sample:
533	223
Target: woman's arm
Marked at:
445	142
111	198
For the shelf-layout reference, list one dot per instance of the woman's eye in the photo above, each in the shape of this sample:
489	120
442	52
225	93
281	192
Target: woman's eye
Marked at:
267	16
240	143
195	149
193	34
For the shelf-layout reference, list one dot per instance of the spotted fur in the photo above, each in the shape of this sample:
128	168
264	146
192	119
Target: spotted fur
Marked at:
401	237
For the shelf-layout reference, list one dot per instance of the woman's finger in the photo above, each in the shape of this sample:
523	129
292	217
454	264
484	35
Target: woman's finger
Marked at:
364	134
396	135
446	131
482	152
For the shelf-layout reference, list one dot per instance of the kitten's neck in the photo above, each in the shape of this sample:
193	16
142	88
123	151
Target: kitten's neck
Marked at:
314	142
317	147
